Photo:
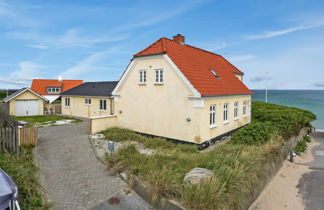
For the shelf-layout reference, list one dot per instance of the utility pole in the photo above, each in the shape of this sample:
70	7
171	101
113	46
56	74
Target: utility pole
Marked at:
266	88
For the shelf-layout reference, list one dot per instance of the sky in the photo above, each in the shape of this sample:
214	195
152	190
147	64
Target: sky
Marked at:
95	40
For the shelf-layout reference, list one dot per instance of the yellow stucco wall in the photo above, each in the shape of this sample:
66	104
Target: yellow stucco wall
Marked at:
79	108
27	95
101	123
162	110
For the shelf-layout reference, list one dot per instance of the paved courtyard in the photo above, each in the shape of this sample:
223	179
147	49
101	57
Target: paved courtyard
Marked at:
71	175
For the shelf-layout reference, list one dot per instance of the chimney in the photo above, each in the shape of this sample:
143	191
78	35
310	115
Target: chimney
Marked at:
179	38
60	78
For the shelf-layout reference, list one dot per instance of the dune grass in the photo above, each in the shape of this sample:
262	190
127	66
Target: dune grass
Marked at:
239	166
23	171
44	119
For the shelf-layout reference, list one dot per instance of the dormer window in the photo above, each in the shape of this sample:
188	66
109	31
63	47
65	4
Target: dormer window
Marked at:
53	90
214	73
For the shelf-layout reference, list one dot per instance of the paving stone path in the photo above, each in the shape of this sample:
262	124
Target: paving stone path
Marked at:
71	175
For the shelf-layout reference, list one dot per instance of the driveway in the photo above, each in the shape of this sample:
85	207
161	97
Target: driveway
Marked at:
71	175
311	184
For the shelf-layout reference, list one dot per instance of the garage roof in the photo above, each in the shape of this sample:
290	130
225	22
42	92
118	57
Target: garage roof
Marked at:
100	89
21	91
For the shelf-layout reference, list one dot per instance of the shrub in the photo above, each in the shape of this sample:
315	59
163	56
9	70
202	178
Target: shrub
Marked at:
254	134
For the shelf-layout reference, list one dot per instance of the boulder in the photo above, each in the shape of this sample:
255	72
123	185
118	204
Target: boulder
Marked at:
198	176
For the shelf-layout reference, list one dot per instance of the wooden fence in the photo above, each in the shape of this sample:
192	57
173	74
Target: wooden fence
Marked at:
9	140
28	136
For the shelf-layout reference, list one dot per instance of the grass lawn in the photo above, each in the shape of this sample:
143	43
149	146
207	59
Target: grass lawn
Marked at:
23	171
44	119
238	164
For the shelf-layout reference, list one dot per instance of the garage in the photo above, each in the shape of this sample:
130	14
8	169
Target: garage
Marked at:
25	102
26	107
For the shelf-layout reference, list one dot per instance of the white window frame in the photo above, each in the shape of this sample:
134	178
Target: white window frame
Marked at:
53	90
87	101
100	105
158	76
244	108
225	113
236	110
142	76
67	102
212	115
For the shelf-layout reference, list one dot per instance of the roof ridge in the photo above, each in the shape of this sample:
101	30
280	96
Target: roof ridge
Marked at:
150	46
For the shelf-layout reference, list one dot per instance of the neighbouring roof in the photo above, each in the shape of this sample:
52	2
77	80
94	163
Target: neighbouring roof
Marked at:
40	85
197	65
21	91
101	89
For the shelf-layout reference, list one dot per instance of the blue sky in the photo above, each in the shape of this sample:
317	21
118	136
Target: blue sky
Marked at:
95	40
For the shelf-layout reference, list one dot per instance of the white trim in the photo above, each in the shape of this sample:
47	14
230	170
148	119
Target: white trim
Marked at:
194	91
99	117
45	99
226	122
123	78
213	126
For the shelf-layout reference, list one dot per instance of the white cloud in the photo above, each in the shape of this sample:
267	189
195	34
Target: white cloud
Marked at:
88	63
270	34
38	46
23	76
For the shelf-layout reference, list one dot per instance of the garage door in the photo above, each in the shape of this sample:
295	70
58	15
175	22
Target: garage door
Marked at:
26	107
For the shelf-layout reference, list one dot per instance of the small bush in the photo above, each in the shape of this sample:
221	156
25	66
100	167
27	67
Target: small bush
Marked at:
254	134
302	145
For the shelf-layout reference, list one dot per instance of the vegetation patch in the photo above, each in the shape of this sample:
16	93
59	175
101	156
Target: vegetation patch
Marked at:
239	165
23	171
45	119
302	145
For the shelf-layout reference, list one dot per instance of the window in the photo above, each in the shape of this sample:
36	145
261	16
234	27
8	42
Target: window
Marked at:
103	104
87	101
142	76
53	90
226	112
158	76
244	107
67	102
236	105
214	72
212	115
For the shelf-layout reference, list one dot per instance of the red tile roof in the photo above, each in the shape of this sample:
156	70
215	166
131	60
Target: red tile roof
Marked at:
39	85
196	65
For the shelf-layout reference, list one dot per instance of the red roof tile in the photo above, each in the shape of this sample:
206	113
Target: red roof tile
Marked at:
39	85
196	65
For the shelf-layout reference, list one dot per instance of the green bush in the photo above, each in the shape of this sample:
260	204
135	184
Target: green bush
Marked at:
269	119
254	134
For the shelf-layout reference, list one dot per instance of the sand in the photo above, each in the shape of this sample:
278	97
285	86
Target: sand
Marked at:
281	192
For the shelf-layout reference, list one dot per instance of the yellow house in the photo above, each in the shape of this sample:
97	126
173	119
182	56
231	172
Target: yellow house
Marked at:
90	99
25	102
177	91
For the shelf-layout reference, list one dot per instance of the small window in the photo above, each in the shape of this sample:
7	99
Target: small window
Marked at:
53	90
244	107
212	115
67	102
142	76
214	72
103	104
226	112
159	76
87	101
236	105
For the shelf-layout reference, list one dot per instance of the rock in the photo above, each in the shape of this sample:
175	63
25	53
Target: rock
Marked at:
97	136
198	176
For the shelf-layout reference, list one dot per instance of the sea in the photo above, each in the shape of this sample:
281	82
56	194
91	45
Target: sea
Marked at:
312	100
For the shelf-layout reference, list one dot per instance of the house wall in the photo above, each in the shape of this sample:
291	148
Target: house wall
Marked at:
26	96
160	110
209	132
80	109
